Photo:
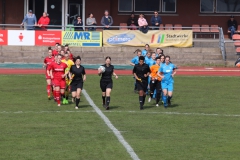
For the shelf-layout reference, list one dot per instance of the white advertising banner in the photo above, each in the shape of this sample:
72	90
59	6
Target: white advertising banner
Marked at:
21	38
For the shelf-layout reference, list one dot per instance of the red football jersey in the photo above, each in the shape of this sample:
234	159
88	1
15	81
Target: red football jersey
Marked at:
48	60
71	56
58	69
55	52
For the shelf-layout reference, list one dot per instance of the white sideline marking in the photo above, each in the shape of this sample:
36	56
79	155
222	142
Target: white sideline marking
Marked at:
180	113
89	111
110	125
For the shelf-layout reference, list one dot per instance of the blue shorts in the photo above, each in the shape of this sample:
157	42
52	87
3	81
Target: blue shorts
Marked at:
167	85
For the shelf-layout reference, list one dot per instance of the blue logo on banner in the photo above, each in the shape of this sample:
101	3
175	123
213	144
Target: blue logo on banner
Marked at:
121	38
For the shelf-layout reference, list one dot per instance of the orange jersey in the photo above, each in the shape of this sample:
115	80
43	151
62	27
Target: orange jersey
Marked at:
154	70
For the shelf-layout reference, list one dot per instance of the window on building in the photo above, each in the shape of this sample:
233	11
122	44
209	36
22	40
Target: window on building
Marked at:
169	6
207	6
125	5
227	6
147	5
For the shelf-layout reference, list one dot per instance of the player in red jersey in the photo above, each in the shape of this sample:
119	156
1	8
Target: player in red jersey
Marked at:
47	61
67	49
58	75
55	51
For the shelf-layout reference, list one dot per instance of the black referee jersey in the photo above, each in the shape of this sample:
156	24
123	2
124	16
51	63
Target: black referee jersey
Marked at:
140	70
78	73
107	75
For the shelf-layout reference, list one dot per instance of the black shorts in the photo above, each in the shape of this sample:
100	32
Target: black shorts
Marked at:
106	84
156	85
76	85
142	85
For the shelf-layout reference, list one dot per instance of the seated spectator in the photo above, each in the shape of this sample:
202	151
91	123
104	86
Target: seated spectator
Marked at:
232	25
44	21
78	23
91	21
132	22
143	25
156	20
106	20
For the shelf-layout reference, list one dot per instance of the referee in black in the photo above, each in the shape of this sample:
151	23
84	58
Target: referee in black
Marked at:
78	75
141	72
106	83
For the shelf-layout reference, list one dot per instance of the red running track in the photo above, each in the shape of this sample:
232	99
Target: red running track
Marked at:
186	71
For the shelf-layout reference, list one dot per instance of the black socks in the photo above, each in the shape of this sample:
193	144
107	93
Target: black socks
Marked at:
77	101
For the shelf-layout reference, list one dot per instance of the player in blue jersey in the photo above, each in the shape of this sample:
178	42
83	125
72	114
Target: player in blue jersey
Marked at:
151	61
135	59
167	72
133	62
145	51
148	57
159	52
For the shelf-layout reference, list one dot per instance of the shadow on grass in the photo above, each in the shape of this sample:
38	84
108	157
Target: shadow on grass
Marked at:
173	105
113	107
84	106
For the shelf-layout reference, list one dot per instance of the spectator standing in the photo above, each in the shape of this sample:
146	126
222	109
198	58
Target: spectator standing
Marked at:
30	20
78	23
132	22
232	25
156	20
44	21
106	20
91	21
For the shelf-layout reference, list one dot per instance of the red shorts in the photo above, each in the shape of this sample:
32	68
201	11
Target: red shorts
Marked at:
59	83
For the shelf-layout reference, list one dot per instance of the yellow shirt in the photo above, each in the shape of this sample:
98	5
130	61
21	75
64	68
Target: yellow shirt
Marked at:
69	63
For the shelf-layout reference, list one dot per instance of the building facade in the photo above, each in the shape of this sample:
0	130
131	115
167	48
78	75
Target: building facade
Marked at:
185	12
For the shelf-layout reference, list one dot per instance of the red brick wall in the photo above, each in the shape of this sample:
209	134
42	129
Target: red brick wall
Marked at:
97	7
14	11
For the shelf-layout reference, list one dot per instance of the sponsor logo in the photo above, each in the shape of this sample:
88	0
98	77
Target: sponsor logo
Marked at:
1	40
21	37
77	35
121	38
40	37
1	35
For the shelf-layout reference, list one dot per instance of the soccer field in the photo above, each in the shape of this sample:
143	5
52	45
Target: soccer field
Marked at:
202	123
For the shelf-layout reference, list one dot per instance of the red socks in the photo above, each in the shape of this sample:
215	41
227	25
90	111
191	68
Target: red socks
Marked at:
58	97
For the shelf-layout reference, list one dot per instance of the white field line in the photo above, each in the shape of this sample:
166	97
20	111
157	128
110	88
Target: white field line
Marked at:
110	125
141	112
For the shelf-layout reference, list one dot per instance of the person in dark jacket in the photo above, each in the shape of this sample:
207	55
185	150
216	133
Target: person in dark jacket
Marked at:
78	23
132	22
156	20
106	20
232	25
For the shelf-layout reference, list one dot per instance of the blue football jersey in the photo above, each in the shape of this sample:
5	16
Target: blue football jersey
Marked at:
167	71
135	60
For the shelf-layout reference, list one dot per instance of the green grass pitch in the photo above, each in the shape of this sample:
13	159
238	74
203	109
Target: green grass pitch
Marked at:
203	122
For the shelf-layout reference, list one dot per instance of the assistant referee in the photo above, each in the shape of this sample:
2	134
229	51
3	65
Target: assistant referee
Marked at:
78	75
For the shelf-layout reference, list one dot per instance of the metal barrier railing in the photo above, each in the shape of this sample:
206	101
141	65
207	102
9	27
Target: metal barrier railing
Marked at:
222	44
